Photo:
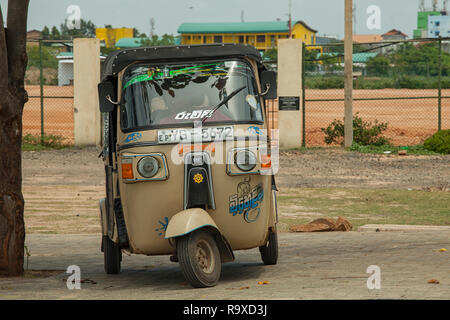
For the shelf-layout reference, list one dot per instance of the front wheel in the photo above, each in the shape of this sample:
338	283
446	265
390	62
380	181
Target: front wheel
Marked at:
269	252
199	258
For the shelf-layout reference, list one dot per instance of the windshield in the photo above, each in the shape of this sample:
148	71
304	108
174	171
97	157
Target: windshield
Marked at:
179	94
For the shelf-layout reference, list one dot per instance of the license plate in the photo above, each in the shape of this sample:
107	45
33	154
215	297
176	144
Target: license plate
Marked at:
194	134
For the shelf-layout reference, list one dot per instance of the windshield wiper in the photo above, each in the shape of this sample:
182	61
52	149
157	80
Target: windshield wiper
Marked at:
221	103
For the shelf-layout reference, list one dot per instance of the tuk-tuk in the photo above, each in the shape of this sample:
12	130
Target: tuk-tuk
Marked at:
187	157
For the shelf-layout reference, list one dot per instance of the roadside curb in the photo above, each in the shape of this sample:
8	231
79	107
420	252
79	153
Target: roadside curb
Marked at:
400	227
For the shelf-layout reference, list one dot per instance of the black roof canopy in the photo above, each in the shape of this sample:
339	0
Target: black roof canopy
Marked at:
118	60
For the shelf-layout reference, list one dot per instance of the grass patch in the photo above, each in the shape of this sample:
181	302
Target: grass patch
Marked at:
414	150
363	206
31	142
372	83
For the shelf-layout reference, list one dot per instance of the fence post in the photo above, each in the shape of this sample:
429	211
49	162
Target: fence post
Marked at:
303	97
41	84
348	74
289	93
86	73
440	85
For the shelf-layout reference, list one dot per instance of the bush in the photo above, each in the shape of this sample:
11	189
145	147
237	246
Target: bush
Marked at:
325	83
439	142
364	132
413	83
371	83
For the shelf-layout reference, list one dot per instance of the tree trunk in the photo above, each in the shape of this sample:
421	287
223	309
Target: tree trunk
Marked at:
12	229
13	61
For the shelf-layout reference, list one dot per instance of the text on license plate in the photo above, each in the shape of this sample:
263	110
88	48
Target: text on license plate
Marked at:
195	134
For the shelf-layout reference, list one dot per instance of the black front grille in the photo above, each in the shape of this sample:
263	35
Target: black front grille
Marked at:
198	181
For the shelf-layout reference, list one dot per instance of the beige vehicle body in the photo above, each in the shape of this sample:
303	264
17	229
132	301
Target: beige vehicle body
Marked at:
146	215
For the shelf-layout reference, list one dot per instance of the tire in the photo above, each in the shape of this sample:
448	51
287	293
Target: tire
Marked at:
269	252
112	256
199	258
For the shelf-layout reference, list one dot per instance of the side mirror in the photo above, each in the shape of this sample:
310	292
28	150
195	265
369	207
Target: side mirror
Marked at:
106	96
269	84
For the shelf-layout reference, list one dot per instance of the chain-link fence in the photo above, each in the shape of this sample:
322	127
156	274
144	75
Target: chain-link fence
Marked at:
48	114
404	85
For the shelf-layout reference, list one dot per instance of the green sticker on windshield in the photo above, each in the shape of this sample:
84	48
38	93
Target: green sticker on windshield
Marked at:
152	75
139	78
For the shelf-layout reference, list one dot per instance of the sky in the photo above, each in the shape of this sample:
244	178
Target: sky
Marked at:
325	16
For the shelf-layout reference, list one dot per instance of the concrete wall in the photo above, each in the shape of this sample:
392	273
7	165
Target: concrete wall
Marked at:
290	85
87	120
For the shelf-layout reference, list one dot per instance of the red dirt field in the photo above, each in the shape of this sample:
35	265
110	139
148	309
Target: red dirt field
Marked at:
410	122
58	112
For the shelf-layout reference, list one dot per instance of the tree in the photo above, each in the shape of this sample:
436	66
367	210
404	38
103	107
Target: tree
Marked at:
165	40
421	60
49	60
270	54
56	35
13	62
86	30
45	33
137	34
378	66
311	62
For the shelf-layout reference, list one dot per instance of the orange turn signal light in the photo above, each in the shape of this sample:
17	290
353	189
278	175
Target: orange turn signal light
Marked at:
266	161
127	170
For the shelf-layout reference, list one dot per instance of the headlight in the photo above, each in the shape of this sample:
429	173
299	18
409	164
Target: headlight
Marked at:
245	160
148	167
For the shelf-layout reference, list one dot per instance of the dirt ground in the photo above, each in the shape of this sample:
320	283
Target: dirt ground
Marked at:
330	265
336	168
410	122
62	187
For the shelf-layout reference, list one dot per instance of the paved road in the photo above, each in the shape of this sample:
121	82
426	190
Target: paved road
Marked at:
311	266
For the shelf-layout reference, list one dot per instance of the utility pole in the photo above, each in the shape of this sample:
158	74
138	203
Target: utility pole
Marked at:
290	19
348	74
422	5
152	27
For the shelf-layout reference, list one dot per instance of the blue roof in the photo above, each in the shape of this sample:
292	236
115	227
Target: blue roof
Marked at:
129	42
359	57
66	55
238	27
363	57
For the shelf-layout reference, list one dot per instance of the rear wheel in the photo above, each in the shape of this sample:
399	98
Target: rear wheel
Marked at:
112	256
199	258
269	252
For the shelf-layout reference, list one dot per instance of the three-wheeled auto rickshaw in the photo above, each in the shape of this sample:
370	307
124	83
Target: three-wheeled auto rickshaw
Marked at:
187	157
